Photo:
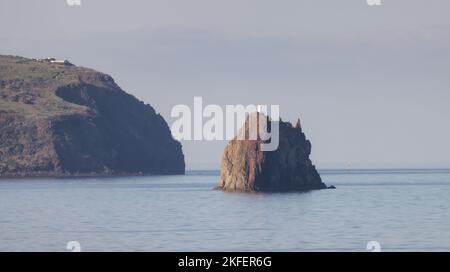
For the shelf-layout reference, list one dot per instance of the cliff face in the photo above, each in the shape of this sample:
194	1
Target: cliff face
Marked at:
245	167
62	120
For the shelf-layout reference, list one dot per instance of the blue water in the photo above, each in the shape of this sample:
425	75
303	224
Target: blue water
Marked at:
404	210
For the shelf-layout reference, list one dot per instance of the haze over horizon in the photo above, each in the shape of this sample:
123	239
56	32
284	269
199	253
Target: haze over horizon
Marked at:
370	84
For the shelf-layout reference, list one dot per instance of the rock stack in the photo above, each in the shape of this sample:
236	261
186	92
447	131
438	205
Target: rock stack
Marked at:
245	167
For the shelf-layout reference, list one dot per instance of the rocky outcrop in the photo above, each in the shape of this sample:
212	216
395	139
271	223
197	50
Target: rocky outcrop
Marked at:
62	120
245	167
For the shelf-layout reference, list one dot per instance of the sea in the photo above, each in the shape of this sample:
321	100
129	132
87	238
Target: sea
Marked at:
376	209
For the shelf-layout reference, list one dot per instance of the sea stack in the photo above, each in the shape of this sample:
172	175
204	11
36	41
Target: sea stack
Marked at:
57	119
246	168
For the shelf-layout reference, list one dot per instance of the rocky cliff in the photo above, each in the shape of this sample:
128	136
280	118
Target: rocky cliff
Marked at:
245	167
57	119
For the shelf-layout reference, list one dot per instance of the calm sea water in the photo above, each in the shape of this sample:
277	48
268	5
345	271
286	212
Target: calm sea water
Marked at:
403	210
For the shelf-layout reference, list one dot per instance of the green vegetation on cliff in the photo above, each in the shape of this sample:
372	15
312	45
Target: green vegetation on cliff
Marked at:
57	119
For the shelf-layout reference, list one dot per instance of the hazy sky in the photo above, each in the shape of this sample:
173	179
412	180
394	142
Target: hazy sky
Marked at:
371	84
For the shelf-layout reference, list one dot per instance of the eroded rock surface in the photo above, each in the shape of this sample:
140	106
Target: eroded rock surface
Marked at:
245	167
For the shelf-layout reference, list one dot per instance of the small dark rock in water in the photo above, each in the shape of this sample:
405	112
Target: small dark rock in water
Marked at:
64	120
245	167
